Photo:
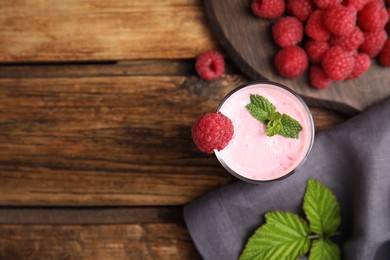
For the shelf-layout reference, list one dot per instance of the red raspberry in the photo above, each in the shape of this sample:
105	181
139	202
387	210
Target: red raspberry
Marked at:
388	22
324	4
358	4
210	65
373	42
384	56
301	9
362	64
212	131
315	50
349	42
340	20
315	27
318	78
268	8
291	61
287	31
381	2
337	63
373	17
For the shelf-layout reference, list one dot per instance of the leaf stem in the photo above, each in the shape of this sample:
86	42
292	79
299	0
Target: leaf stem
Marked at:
313	236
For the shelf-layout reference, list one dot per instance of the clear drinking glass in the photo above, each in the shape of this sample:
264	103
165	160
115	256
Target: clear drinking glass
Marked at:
251	155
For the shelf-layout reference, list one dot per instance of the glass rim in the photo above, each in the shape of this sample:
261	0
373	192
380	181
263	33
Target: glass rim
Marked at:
312	130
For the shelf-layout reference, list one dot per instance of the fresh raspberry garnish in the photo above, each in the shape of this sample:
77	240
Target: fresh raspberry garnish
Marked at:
358	4
315	27
324	4
373	42
212	131
384	56
387	27
287	31
268	8
372	17
337	63
301	9
291	61
362	64
340	20
210	65
315	50
318	78
349	42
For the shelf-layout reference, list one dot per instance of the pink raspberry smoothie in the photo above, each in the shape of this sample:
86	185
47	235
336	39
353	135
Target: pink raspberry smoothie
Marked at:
253	156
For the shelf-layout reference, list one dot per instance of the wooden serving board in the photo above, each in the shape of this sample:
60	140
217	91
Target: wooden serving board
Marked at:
248	42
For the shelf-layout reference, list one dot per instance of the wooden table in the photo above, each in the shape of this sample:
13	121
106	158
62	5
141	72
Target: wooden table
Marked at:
97	99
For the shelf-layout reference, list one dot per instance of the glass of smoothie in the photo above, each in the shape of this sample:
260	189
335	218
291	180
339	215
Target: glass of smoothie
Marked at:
253	156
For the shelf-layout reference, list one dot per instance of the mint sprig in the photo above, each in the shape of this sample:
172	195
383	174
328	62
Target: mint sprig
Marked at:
264	111
287	236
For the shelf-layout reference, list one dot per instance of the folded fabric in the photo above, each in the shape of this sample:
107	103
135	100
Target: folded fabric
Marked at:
352	159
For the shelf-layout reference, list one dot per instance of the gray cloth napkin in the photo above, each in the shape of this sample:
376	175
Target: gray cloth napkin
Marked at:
352	159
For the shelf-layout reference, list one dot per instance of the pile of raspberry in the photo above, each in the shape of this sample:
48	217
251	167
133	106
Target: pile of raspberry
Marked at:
336	38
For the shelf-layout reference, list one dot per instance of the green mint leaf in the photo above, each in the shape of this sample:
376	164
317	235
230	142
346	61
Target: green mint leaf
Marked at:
274	127
321	209
290	127
257	113
324	249
264	111
275	116
284	236
262	103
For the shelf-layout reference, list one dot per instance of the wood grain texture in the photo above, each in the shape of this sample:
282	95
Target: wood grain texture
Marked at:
108	140
90	215
105	141
77	133
94	232
182	67
131	241
247	39
105	69
86	30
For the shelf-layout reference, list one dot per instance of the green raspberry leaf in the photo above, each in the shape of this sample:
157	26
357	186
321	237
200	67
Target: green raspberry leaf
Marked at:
324	249
257	113
284	236
262	103
321	209
290	127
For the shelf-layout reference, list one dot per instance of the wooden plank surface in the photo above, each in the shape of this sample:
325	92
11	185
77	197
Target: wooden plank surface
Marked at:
94	233
86	30
123	241
109	140
181	67
108	133
104	133
103	69
90	215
